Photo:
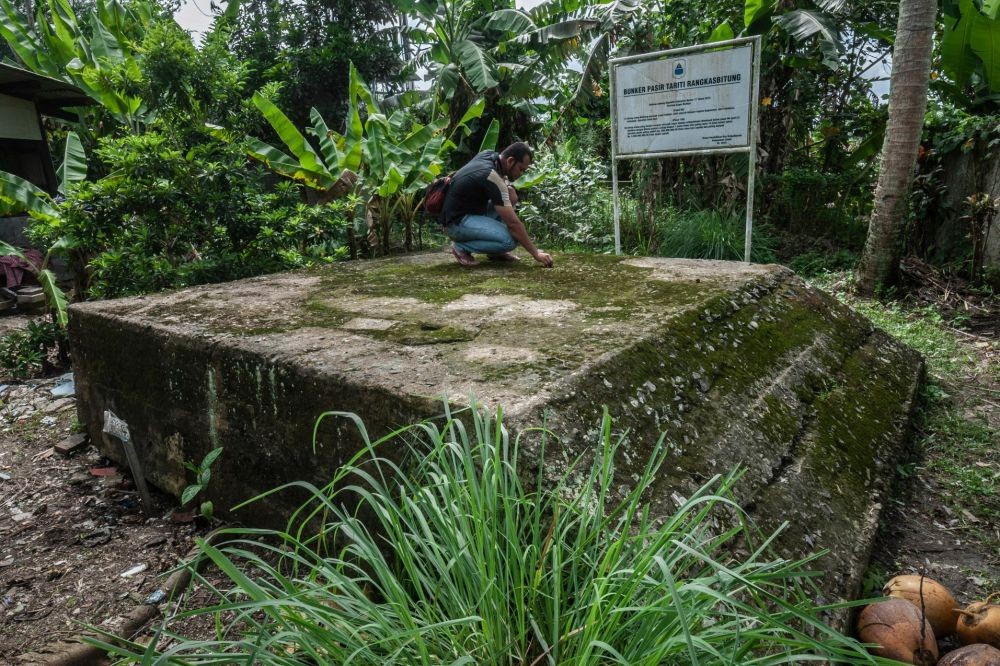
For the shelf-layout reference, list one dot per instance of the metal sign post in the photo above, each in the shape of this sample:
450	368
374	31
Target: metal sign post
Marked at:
697	100
116	427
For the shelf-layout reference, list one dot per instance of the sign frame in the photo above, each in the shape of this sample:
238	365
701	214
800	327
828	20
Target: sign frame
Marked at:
750	149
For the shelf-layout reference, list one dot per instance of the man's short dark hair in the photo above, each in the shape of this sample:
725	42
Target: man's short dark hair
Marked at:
518	150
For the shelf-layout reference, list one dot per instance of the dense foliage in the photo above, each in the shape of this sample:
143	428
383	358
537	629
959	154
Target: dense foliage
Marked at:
172	216
166	175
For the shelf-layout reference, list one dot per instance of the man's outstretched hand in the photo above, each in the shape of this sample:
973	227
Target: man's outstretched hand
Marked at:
544	259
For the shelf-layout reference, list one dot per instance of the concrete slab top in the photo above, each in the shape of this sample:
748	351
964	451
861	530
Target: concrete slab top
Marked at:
424	325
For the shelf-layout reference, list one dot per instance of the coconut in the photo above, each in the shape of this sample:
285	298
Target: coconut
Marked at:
928	595
978	654
899	631
979	623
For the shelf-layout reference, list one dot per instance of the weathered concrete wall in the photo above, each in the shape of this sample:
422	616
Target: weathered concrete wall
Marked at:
964	174
736	364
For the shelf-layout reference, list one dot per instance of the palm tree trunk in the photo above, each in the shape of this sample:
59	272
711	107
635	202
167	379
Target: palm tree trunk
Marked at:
911	66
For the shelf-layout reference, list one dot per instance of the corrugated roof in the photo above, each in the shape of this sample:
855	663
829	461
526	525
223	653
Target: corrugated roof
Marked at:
51	96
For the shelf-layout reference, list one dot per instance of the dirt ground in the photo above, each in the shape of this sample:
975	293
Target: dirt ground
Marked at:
76	549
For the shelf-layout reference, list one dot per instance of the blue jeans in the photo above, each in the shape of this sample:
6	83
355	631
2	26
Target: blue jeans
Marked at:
482	233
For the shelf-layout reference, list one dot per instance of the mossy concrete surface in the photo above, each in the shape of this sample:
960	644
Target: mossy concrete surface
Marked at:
736	364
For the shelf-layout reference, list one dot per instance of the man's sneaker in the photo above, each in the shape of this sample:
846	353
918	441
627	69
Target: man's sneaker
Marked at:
504	256
463	257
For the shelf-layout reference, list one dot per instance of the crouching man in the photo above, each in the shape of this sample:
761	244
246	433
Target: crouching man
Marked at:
478	213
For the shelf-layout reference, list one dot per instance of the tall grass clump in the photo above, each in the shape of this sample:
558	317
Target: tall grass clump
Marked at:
710	234
466	557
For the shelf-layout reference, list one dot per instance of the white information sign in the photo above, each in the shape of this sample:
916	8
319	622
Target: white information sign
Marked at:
691	101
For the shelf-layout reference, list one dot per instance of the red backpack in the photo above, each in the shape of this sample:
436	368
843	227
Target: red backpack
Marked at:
434	197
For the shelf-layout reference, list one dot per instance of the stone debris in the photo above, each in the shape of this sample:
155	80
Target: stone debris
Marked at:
72	444
35	399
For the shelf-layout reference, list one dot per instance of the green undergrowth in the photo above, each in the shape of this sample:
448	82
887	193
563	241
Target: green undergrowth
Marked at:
955	446
466	558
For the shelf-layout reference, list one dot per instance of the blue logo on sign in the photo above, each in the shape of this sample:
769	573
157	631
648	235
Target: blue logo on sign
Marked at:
679	69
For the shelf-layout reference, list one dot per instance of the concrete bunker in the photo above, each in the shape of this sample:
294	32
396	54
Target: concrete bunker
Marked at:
734	363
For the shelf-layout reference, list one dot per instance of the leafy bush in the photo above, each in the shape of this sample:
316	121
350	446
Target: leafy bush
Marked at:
815	263
171	215
566	202
835	205
468	564
26	353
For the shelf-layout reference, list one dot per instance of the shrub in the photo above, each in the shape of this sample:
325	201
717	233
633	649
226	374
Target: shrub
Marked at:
170	215
834	205
27	353
816	263
472	559
568	204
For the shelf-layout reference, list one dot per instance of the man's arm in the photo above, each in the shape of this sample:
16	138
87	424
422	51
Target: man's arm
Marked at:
520	234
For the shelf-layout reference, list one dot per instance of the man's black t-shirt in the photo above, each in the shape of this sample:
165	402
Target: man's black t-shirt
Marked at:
475	187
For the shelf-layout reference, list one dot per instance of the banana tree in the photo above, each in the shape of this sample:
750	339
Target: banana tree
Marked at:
94	51
472	49
386	160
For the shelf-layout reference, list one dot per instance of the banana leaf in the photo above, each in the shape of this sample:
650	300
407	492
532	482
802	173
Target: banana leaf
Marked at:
355	129
984	40
958	59
361	91
55	296
473	112
490	139
74	165
392	182
287	166
291	137
509	20
754	10
722	32
64	22
805	23
476	63
15	29
104	44
61	51
17	190
327	141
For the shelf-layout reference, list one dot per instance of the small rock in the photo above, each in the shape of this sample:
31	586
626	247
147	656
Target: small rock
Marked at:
155	541
96	538
71	444
79	479
58	405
